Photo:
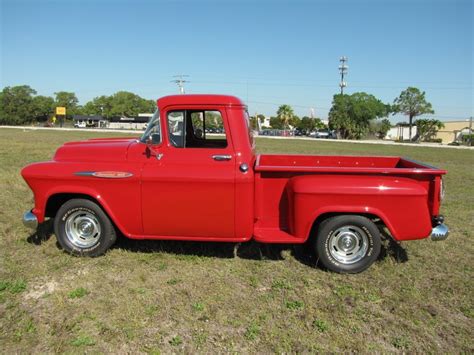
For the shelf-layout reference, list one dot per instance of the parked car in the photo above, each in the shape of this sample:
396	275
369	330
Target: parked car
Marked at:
322	133
300	132
173	184
80	124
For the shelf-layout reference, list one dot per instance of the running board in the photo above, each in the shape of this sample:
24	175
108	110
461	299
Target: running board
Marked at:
274	235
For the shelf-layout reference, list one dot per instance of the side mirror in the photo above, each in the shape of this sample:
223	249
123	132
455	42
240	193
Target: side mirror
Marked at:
149	141
152	140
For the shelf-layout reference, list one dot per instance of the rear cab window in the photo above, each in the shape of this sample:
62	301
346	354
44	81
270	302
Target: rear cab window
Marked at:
249	128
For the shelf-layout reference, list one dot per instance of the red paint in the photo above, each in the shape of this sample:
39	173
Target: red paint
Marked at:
187	195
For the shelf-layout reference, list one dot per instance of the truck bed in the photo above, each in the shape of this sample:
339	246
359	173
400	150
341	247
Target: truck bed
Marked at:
343	164
342	182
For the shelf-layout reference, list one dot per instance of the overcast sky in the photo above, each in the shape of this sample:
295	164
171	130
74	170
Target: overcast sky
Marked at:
266	52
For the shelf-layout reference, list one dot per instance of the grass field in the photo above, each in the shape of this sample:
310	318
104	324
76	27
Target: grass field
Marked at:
166	297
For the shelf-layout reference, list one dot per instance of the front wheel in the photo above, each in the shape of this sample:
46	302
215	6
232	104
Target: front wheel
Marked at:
347	243
83	228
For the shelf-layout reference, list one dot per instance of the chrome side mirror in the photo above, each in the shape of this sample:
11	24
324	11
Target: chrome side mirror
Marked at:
149	148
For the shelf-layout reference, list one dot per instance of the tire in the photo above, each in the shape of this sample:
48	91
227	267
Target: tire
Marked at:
347	243
82	228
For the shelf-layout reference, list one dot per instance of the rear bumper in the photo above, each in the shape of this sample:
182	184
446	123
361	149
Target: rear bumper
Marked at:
440	232
30	220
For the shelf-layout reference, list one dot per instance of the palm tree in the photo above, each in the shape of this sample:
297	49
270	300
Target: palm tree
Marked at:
285	114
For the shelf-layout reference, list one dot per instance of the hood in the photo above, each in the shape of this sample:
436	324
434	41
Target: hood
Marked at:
106	149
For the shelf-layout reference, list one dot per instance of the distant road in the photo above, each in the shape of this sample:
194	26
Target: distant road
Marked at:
128	131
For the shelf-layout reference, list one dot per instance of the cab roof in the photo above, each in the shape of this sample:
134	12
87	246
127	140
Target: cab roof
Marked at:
201	99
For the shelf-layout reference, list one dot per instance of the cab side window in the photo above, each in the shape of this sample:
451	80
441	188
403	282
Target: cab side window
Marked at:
196	129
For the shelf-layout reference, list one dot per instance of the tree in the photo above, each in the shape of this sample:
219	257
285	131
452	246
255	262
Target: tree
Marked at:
380	128
43	108
68	100
16	105
309	124
295	121
351	115
127	104
412	103
285	114
256	120
101	106
122	104
276	123
426	129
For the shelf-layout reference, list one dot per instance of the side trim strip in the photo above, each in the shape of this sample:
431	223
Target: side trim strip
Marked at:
105	174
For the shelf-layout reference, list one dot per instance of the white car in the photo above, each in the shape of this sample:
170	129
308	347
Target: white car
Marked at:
321	133
80	124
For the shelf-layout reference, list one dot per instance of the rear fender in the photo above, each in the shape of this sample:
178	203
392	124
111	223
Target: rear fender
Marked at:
400	202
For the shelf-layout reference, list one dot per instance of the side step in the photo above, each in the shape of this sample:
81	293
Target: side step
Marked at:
274	235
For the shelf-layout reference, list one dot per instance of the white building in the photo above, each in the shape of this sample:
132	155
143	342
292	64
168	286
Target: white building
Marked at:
137	123
400	133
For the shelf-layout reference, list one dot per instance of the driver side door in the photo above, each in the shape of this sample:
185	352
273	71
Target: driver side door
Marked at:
189	192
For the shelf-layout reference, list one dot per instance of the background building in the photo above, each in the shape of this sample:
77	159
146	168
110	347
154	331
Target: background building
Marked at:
84	121
453	130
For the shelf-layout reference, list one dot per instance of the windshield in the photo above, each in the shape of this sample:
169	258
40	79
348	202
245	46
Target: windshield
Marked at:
153	129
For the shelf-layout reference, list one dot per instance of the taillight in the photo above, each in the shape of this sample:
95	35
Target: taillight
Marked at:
442	190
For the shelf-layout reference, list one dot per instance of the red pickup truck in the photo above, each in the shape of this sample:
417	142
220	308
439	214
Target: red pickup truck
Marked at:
181	182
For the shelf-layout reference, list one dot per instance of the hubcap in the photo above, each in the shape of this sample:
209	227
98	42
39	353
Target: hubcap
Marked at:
348	244
82	229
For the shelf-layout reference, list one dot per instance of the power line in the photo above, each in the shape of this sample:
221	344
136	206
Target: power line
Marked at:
314	84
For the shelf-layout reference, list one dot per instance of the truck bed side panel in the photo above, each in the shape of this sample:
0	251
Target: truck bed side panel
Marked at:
400	202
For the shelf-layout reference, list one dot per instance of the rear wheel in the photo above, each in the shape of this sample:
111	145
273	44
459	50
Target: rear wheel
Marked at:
83	228
347	243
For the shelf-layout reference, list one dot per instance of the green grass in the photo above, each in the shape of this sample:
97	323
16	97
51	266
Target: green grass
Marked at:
78	293
165	297
320	325
83	341
16	286
294	305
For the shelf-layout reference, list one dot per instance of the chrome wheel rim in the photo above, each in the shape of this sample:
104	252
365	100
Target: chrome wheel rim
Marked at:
348	244
82	229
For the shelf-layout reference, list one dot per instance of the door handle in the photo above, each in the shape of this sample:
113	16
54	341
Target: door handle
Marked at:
219	157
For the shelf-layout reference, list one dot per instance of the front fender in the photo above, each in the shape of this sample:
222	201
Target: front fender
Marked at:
119	197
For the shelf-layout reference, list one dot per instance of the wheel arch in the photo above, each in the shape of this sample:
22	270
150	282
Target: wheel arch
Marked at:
377	218
56	200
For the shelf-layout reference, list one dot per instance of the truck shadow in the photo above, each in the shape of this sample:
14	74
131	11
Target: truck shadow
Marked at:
42	234
249	250
392	249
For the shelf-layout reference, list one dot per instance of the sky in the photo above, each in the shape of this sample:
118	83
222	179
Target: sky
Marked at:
267	53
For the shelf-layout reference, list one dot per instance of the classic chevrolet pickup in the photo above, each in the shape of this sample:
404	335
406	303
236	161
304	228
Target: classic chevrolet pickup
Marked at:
180	181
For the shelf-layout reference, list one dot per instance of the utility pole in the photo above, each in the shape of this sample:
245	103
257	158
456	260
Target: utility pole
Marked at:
470	131
180	82
343	70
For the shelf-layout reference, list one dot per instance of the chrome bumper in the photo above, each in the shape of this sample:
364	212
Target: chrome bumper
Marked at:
440	232
30	220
